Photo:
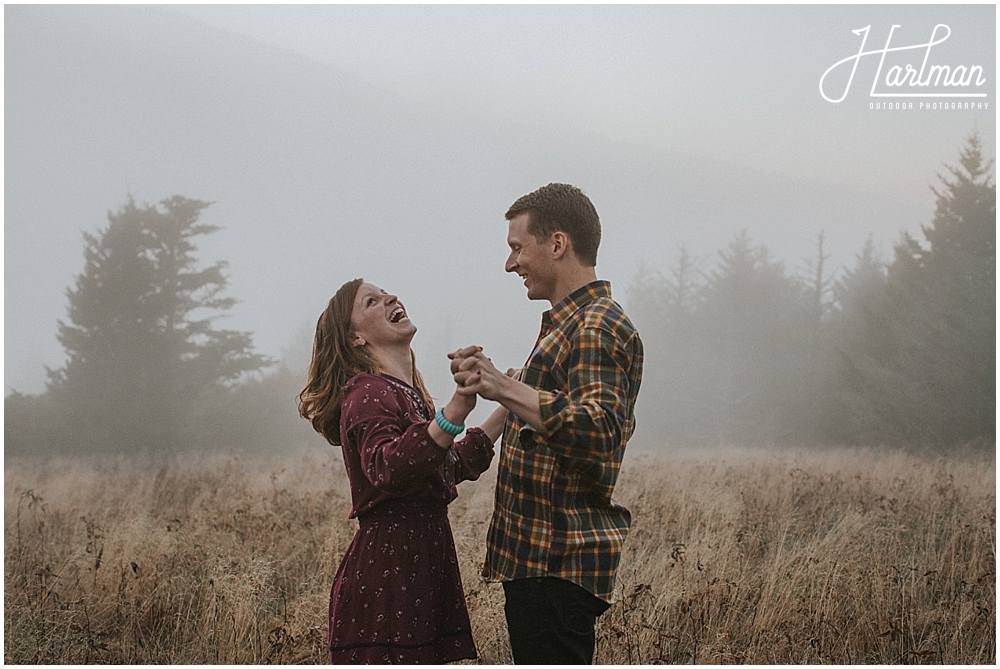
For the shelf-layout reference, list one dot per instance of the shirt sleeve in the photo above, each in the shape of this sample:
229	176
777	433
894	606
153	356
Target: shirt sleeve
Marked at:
586	423
475	453
395	453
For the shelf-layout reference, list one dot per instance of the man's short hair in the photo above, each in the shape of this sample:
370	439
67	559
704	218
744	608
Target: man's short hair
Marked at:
563	208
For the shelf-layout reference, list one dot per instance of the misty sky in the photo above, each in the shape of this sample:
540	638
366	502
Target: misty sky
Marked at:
739	83
733	88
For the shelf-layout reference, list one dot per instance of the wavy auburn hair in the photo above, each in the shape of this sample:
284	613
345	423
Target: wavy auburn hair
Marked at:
335	361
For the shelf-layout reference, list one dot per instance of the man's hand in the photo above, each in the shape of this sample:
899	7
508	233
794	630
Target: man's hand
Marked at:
474	373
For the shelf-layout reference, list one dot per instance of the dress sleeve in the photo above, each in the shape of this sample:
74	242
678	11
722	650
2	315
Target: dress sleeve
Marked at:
395	451
475	452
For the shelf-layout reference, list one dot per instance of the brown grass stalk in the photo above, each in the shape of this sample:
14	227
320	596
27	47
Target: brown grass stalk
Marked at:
846	557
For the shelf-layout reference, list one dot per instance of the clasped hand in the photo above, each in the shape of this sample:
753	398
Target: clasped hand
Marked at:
475	374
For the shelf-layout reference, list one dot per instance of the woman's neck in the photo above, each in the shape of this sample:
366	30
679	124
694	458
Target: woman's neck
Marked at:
397	363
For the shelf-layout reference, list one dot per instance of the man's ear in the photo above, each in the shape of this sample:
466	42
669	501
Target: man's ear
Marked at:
560	244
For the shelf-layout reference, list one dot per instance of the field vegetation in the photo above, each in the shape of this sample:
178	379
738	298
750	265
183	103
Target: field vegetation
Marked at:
845	556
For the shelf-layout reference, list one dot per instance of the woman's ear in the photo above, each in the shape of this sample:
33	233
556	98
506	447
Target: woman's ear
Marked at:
357	340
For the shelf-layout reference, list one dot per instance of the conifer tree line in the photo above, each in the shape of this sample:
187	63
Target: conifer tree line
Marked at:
149	370
744	352
888	351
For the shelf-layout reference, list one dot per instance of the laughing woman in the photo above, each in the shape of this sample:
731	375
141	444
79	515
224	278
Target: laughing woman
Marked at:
397	596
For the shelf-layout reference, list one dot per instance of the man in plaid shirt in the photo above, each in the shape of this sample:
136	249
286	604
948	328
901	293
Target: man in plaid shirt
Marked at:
556	535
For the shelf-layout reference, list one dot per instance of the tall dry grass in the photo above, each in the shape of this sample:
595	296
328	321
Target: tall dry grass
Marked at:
839	557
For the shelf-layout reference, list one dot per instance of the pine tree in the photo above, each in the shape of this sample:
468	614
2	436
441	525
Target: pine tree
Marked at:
860	341
818	285
812	373
664	309
960	275
142	348
924	368
753	327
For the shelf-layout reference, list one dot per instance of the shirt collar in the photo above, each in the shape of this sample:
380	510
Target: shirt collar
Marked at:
575	301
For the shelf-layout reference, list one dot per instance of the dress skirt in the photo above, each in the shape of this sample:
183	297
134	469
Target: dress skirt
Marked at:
397	597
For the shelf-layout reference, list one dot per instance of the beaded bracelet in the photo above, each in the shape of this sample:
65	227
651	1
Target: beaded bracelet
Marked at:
446	425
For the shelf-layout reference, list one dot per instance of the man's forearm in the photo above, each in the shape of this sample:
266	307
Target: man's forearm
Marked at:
522	400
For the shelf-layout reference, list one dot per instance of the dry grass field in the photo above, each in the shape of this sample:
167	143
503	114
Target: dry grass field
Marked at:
840	557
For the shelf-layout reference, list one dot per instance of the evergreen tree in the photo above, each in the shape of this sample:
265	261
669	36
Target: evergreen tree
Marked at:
754	321
812	376
728	353
143	352
664	309
959	275
859	340
924	366
818	286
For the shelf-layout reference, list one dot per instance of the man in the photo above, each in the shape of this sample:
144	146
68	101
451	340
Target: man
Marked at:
556	536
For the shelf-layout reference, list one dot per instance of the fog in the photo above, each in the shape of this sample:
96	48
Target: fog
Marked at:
388	141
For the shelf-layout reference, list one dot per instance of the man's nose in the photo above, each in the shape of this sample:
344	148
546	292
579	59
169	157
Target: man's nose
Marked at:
511	264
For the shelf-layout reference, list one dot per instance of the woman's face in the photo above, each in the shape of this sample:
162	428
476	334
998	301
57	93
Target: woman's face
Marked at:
379	319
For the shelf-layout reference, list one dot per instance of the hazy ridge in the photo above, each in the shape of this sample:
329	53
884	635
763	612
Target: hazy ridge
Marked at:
318	177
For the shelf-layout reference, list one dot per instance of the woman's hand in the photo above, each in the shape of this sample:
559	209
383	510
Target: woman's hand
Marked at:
455	411
473	372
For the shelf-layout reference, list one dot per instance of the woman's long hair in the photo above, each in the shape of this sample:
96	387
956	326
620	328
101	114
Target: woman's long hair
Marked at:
335	361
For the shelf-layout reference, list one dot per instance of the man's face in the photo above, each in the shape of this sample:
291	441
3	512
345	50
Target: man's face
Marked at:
530	260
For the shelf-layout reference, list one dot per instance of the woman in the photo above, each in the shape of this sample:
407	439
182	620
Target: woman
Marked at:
397	596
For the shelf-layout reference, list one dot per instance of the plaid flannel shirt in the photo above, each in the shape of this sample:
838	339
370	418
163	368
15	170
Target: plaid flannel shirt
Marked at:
553	513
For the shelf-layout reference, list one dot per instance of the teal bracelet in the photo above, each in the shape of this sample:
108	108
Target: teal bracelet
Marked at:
446	425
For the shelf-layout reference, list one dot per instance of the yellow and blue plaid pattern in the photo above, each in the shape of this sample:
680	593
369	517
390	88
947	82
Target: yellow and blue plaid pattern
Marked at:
553	513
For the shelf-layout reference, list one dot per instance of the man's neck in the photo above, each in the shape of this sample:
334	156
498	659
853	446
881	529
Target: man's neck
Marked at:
571	282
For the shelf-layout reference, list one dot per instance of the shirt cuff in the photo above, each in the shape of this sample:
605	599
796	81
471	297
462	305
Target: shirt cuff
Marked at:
551	407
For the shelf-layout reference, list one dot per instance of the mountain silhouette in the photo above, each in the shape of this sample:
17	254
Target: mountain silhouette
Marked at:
317	177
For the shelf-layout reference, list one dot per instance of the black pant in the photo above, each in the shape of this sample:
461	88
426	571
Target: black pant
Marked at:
551	621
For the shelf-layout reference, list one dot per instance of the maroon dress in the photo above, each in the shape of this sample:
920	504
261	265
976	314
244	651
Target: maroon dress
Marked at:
397	597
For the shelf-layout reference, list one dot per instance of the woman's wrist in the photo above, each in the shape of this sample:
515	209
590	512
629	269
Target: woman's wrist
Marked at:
454	415
459	408
448	427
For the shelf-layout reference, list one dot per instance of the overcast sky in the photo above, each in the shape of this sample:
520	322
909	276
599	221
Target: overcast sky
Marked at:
738	85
